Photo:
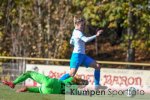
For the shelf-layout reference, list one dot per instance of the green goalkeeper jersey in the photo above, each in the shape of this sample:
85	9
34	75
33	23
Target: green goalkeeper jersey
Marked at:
48	85
56	86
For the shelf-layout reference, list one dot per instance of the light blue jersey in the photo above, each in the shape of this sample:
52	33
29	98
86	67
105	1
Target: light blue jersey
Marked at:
79	57
79	40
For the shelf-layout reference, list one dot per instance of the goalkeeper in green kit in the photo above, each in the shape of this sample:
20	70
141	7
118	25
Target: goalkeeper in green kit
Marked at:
48	85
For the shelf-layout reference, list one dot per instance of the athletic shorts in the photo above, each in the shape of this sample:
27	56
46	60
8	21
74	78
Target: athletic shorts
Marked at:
78	59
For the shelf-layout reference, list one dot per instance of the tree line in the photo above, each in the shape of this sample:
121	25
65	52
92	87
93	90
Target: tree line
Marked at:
42	28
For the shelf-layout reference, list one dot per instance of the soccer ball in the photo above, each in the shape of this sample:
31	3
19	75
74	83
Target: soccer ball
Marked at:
131	92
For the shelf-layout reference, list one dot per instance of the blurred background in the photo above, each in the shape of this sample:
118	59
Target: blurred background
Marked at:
42	29
35	35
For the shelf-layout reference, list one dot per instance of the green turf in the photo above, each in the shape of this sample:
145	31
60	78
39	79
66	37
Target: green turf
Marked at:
107	98
7	93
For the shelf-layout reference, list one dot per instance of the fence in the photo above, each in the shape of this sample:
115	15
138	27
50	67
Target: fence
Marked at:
14	66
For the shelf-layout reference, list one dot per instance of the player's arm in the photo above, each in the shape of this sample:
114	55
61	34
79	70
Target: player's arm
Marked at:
88	39
71	41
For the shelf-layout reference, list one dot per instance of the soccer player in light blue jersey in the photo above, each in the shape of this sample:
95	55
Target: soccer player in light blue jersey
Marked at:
79	57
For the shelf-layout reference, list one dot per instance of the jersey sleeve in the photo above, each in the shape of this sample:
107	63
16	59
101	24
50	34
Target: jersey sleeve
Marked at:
71	41
88	39
79	34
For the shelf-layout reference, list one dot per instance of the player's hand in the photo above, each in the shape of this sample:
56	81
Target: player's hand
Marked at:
99	32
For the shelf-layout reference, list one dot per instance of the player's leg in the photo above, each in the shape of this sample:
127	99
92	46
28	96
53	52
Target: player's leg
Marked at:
47	83
75	62
39	78
96	72
92	63
71	73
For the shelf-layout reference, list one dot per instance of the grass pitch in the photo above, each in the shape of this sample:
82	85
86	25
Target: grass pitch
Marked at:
6	93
